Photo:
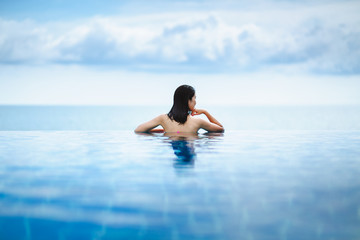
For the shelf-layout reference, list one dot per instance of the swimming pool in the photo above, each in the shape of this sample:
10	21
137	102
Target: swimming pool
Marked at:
236	185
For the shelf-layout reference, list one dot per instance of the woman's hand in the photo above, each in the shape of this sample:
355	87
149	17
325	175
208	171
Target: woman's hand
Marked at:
157	130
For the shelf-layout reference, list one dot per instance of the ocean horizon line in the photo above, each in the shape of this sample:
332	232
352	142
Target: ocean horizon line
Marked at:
159	105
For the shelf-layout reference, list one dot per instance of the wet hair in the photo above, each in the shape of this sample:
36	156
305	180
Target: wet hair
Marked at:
180	109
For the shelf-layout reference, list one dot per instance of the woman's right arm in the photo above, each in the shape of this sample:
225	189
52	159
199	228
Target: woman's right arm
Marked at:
147	126
212	126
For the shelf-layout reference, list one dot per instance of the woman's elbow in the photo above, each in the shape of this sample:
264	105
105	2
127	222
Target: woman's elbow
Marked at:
217	130
139	129
221	130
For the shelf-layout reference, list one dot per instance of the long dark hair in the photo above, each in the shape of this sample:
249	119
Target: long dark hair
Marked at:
180	109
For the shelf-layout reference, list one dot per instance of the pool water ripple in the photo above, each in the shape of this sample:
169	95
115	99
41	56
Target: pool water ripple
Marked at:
236	185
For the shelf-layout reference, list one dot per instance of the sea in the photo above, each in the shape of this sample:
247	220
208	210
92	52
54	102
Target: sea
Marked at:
276	173
93	118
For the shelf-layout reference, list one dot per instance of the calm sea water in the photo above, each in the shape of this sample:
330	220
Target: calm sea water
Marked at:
128	117
279	176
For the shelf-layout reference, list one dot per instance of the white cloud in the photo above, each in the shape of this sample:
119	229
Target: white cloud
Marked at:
230	40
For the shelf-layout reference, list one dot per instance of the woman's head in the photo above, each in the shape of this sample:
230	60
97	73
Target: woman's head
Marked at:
184	101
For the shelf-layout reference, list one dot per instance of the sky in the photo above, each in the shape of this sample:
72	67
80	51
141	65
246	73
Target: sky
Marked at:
258	52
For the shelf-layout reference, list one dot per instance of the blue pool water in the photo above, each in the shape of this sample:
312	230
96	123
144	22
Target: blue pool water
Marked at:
277	173
237	185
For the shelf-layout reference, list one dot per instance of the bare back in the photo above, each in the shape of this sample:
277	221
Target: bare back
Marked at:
192	124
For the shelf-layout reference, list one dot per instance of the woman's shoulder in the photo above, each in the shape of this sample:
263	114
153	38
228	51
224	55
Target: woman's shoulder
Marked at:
196	119
163	117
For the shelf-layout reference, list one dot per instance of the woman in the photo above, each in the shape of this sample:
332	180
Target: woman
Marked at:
181	118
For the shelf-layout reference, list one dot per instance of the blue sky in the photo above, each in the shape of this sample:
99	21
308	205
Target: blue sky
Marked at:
125	52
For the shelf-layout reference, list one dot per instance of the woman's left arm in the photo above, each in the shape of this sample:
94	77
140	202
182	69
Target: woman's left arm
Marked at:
212	126
147	126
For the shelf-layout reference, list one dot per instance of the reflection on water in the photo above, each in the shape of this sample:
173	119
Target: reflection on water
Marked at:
183	145
184	151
